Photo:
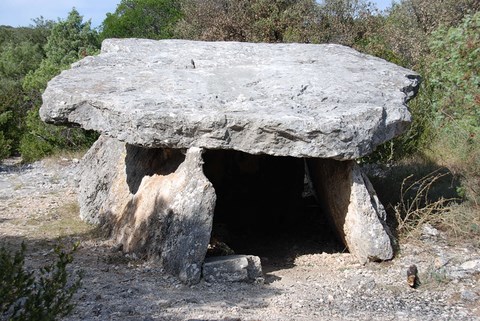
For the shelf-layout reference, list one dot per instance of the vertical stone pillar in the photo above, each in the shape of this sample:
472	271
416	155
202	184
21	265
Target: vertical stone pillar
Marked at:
157	203
353	208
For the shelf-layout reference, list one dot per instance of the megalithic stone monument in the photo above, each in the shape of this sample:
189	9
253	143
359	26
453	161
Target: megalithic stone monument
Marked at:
162	106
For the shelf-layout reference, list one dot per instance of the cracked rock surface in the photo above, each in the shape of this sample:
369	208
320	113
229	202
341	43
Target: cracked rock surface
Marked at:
301	100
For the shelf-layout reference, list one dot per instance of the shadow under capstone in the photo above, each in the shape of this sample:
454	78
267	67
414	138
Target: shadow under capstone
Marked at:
266	207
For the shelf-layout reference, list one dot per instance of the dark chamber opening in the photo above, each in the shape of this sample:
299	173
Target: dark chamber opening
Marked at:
265	207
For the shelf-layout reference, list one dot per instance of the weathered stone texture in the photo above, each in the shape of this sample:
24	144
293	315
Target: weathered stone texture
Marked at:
155	202
233	268
353	207
102	165
325	101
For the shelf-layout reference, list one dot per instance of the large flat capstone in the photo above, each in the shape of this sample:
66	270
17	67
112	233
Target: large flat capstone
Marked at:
302	100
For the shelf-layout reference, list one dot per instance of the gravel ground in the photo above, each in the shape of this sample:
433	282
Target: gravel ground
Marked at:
38	204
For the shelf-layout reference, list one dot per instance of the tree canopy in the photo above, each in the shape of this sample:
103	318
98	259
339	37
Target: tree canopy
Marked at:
153	19
29	58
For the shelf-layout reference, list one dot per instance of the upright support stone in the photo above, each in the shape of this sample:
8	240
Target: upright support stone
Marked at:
103	169
353	207
159	205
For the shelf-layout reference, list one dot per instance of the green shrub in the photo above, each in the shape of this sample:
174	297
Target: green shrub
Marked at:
5	143
454	74
69	41
153	19
26	295
29	58
44	139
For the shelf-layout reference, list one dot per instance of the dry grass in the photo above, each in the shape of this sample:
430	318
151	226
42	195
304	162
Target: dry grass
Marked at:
456	218
65	221
461	221
58	223
420	190
416	206
59	156
457	147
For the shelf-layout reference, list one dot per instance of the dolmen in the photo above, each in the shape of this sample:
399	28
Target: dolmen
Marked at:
194	130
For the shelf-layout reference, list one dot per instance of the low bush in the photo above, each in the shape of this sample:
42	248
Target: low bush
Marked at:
45	294
435	198
416	206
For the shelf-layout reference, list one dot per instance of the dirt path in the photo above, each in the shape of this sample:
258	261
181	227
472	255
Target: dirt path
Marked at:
38	205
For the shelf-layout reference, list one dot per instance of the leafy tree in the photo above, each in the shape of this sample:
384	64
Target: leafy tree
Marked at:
214	20
69	41
42	139
346	21
21	51
403	35
455	70
281	21
5	143
405	38
16	60
11	117
454	74
154	19
432	14
36	33
249	20
308	21
301	23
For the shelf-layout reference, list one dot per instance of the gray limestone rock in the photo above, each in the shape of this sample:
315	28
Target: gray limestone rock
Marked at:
300	100
472	265
353	208
232	268
100	168
156	203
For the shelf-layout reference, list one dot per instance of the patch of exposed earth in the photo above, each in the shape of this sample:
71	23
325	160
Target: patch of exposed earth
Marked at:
38	206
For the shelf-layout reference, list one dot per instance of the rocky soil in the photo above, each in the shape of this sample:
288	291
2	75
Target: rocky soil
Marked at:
38	205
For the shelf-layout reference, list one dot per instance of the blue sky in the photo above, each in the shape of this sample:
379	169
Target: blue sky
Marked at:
21	12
